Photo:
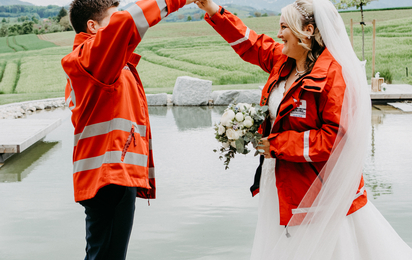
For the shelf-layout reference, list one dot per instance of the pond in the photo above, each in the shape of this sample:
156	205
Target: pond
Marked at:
201	212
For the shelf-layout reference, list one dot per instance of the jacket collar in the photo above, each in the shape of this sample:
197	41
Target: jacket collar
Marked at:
321	67
80	38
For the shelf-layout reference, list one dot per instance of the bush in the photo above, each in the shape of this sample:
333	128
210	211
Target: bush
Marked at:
387	75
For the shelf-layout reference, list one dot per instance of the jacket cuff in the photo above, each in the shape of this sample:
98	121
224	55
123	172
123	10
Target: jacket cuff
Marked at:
174	5
273	150
216	18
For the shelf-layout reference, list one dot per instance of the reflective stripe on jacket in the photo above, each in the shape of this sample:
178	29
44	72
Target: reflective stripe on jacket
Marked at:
112	137
308	117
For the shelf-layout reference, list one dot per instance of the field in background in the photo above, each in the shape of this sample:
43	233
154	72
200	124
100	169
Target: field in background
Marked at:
194	49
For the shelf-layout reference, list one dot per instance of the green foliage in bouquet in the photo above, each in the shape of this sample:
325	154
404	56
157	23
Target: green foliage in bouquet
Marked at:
238	127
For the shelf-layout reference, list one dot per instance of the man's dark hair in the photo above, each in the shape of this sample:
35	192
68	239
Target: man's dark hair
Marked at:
83	10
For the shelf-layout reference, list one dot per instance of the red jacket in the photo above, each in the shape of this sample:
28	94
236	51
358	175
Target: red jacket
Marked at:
308	117
112	137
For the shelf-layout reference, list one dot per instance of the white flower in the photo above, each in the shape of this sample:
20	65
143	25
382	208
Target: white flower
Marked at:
232	134
247	123
233	144
221	130
227	117
239	117
252	111
240	133
225	145
248	118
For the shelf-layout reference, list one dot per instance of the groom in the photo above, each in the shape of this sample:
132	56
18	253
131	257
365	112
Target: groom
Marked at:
112	155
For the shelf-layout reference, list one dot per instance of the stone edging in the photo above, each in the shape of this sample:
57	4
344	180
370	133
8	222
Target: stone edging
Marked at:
18	110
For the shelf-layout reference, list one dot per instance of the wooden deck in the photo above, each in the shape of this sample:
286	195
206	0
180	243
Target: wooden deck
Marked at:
16	135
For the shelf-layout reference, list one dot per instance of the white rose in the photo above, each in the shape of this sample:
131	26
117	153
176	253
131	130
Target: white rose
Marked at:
227	117
239	117
232	134
240	133
221	130
248	118
247	123
242	106
252	111
233	144
225	145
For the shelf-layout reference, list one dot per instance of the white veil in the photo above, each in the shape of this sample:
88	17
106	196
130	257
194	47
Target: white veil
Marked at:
313	235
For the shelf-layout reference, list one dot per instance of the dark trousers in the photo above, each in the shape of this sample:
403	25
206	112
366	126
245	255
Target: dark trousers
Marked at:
109	221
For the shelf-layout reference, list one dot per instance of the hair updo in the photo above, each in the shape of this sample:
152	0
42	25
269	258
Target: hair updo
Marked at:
297	21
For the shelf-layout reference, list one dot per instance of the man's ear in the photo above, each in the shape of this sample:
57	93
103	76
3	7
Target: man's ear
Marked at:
91	27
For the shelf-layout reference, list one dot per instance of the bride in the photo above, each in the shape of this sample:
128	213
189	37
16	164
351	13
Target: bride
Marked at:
313	203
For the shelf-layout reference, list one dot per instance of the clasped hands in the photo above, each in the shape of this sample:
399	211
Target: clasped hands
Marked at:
208	6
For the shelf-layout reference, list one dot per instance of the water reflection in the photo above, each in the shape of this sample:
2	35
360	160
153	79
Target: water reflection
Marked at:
17	167
192	117
160	111
376	183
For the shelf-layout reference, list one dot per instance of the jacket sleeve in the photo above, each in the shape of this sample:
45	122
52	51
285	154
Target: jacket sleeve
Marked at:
314	145
259	50
105	57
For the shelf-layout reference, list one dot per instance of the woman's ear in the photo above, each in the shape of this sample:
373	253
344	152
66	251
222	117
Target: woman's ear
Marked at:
92	27
310	30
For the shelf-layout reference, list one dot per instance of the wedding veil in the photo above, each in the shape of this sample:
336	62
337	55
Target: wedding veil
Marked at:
314	231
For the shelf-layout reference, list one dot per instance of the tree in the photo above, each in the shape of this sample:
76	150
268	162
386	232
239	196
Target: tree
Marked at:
65	23
265	15
61	14
4	20
196	16
180	17
3	30
189	18
27	27
258	14
345	4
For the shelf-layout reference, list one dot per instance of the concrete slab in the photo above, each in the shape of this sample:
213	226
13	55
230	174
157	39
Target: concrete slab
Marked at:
405	107
16	135
393	92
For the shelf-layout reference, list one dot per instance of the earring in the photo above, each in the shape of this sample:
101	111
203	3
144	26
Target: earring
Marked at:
309	37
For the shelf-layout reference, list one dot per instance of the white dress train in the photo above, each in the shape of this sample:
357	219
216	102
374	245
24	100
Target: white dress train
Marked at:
364	235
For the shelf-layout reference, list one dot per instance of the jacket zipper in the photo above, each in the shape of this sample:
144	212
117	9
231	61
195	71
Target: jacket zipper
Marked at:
128	142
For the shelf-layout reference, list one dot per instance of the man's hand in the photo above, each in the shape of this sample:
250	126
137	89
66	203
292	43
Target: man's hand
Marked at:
264	145
208	6
189	1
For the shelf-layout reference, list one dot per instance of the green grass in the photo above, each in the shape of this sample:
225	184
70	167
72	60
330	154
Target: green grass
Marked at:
10	75
12	43
170	50
34	80
13	98
32	42
4	48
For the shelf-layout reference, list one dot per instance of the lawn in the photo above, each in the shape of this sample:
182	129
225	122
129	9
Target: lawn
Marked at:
194	49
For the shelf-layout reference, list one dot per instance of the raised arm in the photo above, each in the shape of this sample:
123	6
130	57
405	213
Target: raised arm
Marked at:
259	50
113	44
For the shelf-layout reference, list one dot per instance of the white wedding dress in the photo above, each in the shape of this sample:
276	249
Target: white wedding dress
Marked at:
363	235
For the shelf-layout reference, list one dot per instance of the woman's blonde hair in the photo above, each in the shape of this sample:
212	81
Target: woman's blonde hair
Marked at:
297	16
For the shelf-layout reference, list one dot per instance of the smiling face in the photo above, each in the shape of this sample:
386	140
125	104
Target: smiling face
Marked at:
291	46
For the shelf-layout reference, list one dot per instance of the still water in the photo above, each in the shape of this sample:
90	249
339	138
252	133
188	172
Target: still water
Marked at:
201	212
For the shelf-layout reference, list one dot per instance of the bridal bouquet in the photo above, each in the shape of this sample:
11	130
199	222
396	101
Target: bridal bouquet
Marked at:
237	128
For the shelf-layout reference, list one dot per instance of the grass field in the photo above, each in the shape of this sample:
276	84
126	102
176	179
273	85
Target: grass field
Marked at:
194	49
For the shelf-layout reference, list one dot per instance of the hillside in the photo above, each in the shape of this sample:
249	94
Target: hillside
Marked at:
14	2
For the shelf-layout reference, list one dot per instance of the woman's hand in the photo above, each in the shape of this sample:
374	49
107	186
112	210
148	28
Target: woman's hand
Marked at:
264	145
208	6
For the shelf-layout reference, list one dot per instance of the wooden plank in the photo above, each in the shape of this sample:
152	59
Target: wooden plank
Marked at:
16	135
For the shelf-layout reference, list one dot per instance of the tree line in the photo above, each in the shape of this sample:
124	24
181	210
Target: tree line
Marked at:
29	10
33	24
